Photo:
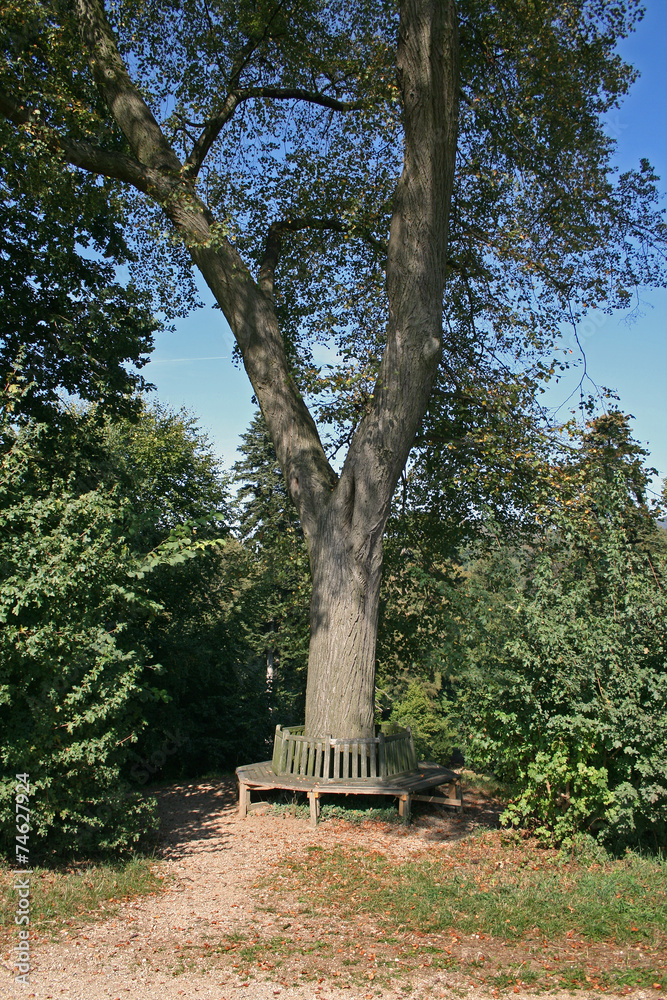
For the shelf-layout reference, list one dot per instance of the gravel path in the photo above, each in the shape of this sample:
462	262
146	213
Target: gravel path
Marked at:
211	860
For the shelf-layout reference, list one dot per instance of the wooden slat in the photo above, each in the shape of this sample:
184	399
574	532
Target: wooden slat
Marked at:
290	756
391	757
277	749
336	767
382	754
283	756
399	747
413	755
327	759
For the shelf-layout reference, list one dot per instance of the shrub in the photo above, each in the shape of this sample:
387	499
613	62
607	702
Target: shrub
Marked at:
566	690
69	683
428	718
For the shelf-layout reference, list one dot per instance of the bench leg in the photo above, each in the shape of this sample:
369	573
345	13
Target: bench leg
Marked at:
312	799
244	799
404	804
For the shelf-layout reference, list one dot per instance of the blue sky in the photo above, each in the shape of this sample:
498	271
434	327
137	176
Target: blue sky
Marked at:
193	367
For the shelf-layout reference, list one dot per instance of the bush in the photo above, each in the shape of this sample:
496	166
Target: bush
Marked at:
566	691
119	661
69	683
432	732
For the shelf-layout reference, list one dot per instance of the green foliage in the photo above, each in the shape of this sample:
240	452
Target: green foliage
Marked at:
63	318
565	693
116	658
273	605
560	791
432	731
69	677
542	227
207	709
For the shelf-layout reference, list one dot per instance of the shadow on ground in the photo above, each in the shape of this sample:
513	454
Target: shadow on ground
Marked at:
191	815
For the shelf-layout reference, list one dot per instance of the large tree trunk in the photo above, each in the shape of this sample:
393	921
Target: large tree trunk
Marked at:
343	630
346	541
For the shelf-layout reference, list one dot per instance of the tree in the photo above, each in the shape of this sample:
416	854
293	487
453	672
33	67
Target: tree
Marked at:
272	608
71	680
115	651
64	321
565	689
165	469
307	160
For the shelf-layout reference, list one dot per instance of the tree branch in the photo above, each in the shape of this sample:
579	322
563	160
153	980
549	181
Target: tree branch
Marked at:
123	98
250	314
209	134
215	125
75	151
299	94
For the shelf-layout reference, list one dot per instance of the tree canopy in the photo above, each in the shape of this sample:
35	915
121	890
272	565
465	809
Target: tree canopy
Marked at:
66	322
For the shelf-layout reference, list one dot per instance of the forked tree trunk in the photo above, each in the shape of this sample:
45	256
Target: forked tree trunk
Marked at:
343	517
345	540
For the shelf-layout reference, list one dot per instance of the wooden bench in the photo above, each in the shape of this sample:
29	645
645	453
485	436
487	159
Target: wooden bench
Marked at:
407	787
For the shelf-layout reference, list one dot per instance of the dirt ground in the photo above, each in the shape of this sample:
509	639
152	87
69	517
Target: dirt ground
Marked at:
196	939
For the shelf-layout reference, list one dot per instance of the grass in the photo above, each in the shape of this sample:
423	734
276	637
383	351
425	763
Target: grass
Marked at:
330	811
537	916
509	895
58	897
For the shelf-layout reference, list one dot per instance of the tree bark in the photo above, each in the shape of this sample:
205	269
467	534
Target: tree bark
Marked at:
340	695
344	517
